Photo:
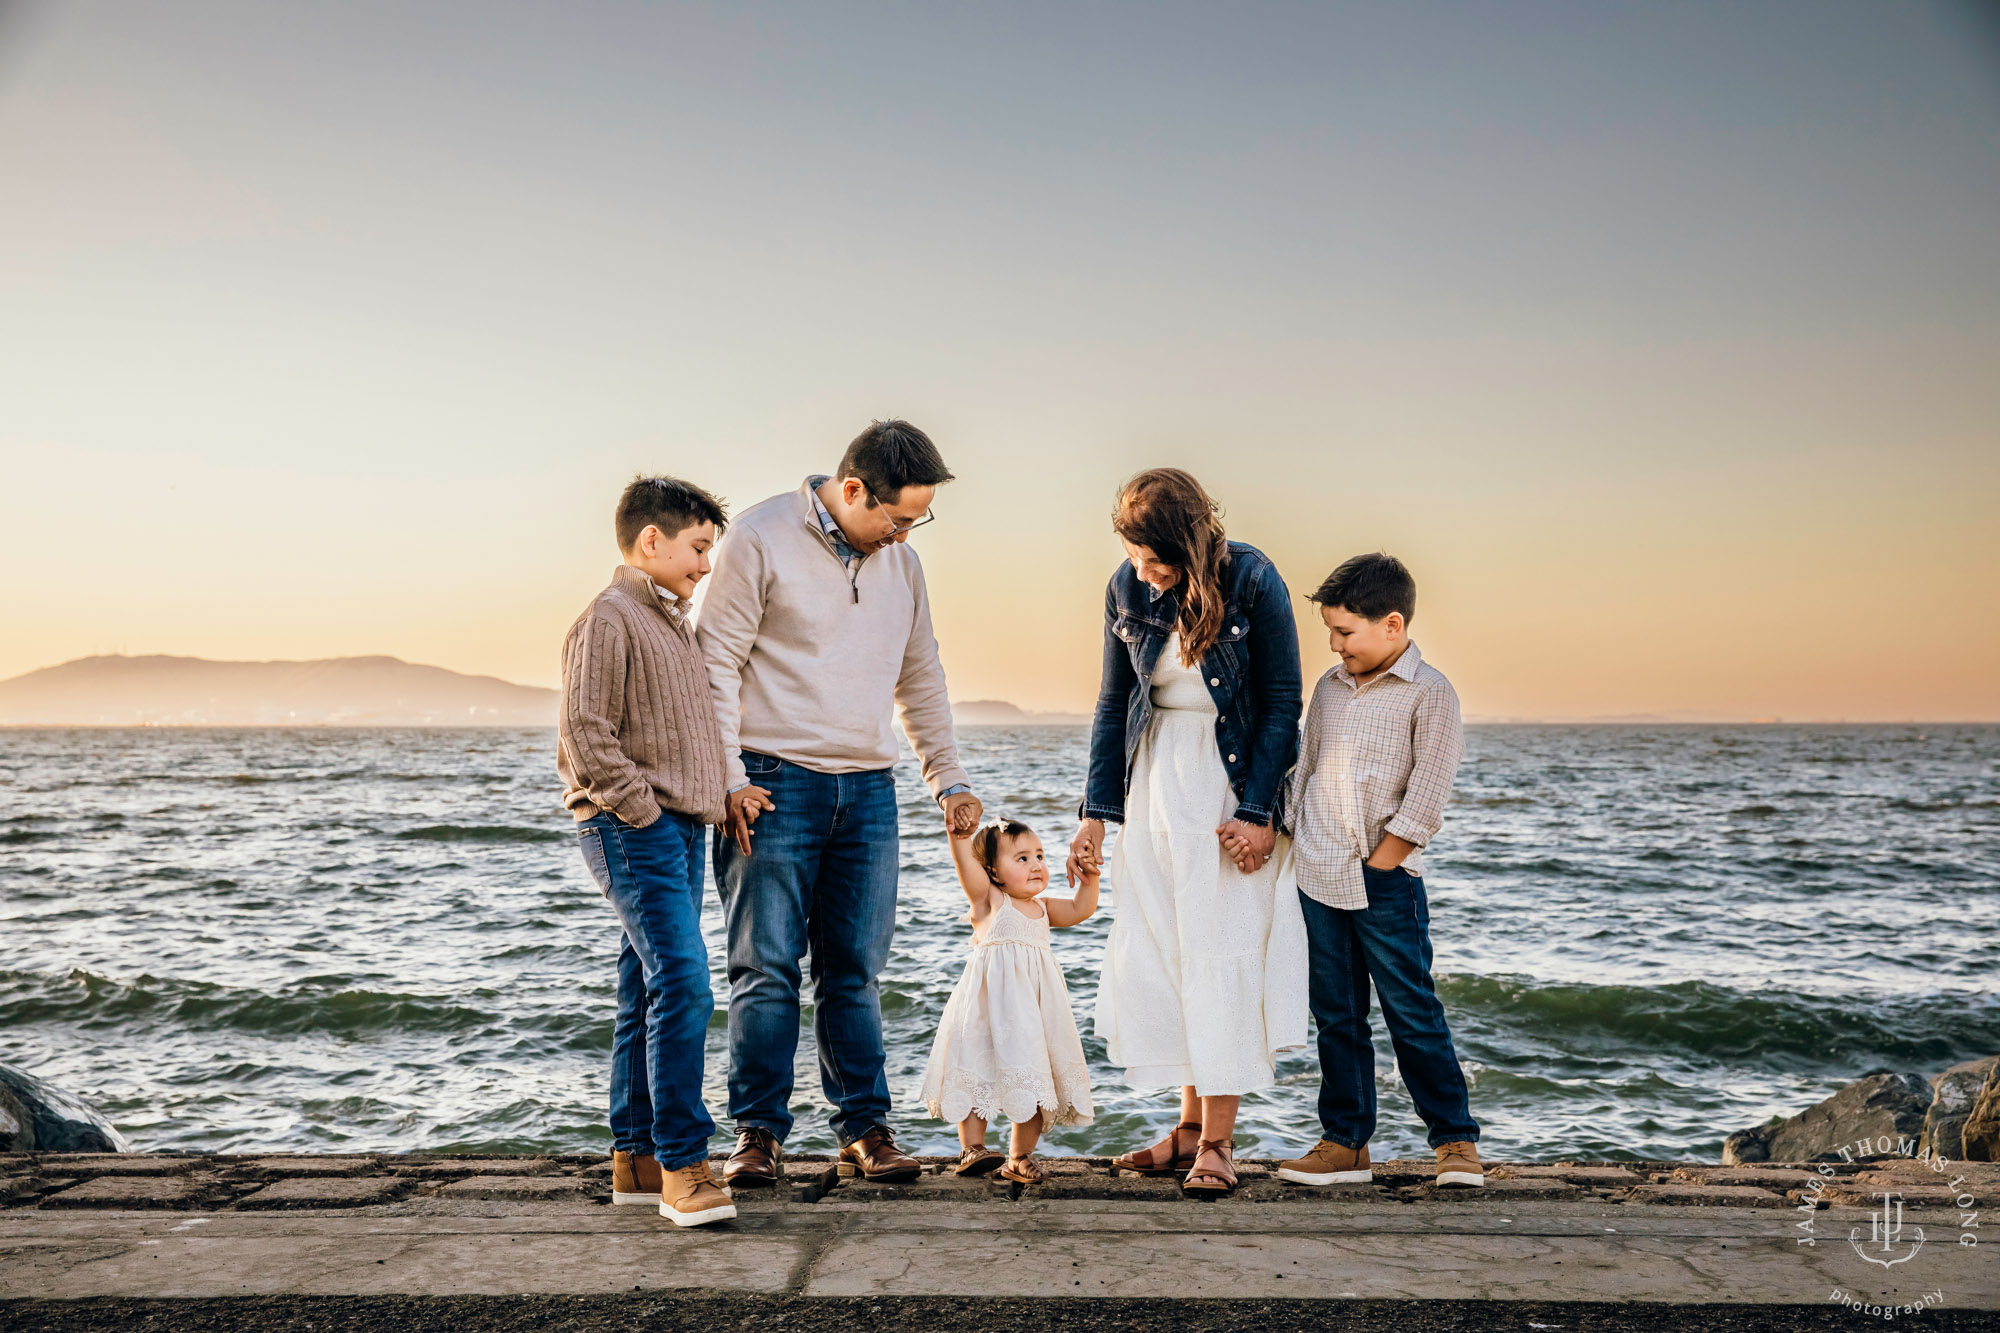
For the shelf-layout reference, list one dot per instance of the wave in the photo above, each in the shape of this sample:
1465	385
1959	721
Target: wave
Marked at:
326	1006
481	833
1711	1022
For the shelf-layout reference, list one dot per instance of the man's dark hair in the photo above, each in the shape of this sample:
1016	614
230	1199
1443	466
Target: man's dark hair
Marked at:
890	455
1371	586
666	503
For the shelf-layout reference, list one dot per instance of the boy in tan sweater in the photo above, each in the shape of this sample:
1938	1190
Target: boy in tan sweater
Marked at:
640	753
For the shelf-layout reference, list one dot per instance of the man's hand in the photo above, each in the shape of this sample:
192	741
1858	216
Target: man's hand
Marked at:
740	811
1391	852
1086	850
961	814
1249	845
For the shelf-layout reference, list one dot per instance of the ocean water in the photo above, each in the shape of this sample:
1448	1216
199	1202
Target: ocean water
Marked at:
324	939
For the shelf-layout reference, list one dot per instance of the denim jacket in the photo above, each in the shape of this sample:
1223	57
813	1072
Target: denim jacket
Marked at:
1252	673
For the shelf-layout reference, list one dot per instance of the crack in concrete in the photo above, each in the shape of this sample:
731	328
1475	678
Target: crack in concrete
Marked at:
807	1269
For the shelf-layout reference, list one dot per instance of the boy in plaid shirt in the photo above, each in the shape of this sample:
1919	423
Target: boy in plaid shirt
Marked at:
1381	745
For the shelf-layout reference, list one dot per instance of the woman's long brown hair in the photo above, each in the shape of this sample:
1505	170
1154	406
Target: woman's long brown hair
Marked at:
1167	511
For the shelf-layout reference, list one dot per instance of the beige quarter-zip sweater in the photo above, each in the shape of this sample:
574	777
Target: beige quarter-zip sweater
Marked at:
637	731
813	666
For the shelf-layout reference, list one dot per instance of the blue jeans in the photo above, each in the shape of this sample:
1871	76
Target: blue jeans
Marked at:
1389	941
821	879
652	876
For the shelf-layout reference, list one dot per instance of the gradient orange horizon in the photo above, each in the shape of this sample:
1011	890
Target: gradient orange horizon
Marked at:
1660	343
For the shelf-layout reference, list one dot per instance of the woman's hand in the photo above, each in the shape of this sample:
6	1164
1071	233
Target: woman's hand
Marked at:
1086	850
1249	845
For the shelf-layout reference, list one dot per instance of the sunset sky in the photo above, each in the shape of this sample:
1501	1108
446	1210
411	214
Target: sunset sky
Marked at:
1661	340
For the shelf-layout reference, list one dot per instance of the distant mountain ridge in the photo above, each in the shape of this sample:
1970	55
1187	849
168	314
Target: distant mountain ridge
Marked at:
164	691
336	691
1000	713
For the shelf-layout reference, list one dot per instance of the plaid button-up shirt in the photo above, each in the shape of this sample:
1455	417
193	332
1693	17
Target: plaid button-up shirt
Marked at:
843	548
1375	758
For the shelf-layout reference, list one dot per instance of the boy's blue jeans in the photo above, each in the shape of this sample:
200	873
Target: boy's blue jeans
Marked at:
653	879
821	879
1389	941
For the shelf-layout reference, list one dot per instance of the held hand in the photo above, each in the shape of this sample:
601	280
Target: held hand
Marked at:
1249	845
741	811
1086	850
961	814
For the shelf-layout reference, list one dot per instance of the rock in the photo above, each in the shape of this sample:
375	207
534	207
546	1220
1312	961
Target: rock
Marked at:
1882	1105
1952	1094
1750	1145
1980	1136
40	1117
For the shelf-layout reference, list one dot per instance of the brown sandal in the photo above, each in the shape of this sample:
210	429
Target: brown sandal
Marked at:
1028	1172
1221	1150
977	1161
1164	1158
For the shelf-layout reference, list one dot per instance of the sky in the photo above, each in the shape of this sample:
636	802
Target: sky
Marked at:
1661	340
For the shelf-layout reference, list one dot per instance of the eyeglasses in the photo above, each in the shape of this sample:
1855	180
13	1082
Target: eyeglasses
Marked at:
896	528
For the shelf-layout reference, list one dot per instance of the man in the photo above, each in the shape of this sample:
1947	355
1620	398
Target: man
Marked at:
817	631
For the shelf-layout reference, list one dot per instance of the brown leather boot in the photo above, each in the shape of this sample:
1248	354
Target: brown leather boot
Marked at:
875	1156
757	1161
1329	1163
690	1197
635	1178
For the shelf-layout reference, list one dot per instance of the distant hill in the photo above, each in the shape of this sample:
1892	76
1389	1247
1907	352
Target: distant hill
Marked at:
1000	713
338	691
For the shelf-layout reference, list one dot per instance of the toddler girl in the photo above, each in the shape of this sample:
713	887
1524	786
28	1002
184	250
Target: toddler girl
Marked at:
1007	1042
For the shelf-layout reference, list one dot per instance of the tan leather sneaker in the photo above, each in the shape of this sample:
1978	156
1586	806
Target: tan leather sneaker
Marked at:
875	1156
635	1178
1458	1164
1329	1164
690	1197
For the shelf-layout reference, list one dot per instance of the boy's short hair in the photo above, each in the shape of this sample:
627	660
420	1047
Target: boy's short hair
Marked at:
1371	586
666	503
890	455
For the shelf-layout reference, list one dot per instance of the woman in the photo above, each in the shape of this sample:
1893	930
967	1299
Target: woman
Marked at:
1196	727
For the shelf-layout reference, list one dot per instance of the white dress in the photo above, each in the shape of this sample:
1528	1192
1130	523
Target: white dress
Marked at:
1007	1044
1205	968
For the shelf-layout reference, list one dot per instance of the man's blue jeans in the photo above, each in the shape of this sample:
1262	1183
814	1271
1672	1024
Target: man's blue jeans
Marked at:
821	879
652	876
1390	941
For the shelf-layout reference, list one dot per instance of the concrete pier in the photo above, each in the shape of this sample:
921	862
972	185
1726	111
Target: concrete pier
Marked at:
88	1242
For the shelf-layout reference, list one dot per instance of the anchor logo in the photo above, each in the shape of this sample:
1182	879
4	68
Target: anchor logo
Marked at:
1885	1228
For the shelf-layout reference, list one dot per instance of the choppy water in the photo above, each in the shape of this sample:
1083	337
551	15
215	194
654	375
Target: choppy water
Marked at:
1646	937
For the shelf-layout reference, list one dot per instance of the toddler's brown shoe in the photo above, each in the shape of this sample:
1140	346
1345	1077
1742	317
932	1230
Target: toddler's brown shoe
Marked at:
1329	1164
1458	1164
690	1197
635	1178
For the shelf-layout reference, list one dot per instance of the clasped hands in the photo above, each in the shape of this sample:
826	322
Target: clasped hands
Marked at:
1248	845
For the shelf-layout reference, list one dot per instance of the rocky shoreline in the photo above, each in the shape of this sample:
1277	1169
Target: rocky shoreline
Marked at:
1954	1116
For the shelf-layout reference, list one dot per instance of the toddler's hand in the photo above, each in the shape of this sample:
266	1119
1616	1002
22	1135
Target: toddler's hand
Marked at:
961	814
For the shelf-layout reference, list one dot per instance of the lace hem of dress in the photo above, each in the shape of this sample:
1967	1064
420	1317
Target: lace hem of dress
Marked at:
1063	1097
